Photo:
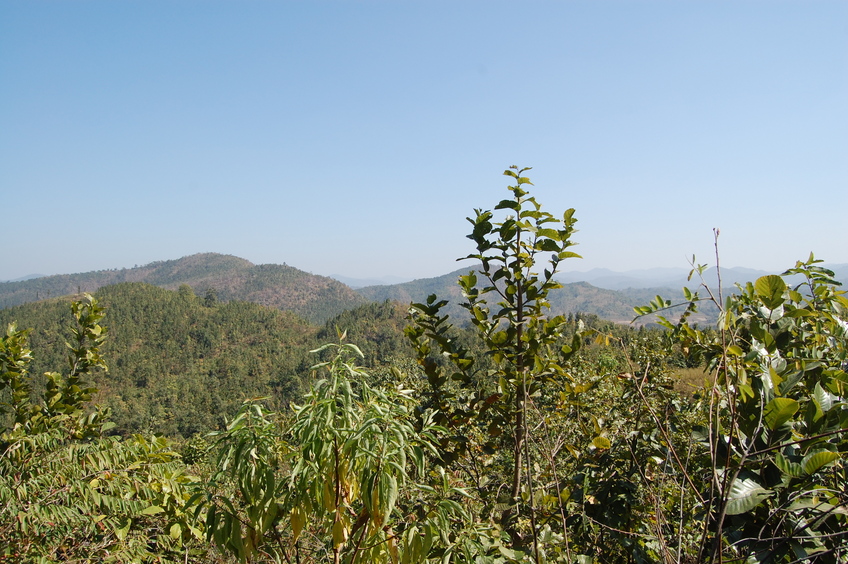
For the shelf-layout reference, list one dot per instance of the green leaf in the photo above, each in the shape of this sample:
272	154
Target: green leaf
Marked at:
775	379
508	552
816	460
507	204
547	245
123	529
601	443
735	350
770	290
779	411
499	338
792	469
824	399
816	504
567	254
700	434
745	494
152	510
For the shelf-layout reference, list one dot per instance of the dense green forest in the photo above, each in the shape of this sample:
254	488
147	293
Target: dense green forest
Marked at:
180	364
507	433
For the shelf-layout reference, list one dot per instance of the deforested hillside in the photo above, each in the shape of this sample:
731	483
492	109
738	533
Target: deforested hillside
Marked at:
225	277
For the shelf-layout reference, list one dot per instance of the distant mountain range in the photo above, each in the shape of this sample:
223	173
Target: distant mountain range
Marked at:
582	297
675	277
605	293
22	278
363	282
608	294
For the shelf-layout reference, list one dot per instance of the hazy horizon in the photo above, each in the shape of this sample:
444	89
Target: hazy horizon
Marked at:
398	279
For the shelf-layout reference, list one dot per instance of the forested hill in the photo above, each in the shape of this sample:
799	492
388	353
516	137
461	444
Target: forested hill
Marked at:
179	364
315	298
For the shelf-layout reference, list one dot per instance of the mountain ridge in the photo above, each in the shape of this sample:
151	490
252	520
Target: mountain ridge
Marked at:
313	297
571	298
603	292
675	277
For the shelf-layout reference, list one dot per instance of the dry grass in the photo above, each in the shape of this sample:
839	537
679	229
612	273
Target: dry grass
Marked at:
690	380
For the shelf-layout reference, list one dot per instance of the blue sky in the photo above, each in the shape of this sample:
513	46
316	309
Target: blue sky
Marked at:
354	137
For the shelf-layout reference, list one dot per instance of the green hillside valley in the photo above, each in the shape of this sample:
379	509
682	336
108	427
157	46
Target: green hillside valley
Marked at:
210	410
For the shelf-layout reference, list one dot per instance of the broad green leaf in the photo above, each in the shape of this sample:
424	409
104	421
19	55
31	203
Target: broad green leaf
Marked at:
152	510
816	460
770	290
824	399
775	380
580	388
735	350
700	434
745	494
601	442
499	338
800	313
547	245
779	411
816	505
792	469
507	204
123	529
508	552
568	254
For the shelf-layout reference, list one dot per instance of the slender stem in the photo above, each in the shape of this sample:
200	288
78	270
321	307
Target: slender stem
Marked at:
552	461
529	470
716	233
638	385
519	430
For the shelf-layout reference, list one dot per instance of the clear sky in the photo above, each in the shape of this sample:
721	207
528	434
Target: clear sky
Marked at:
354	137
